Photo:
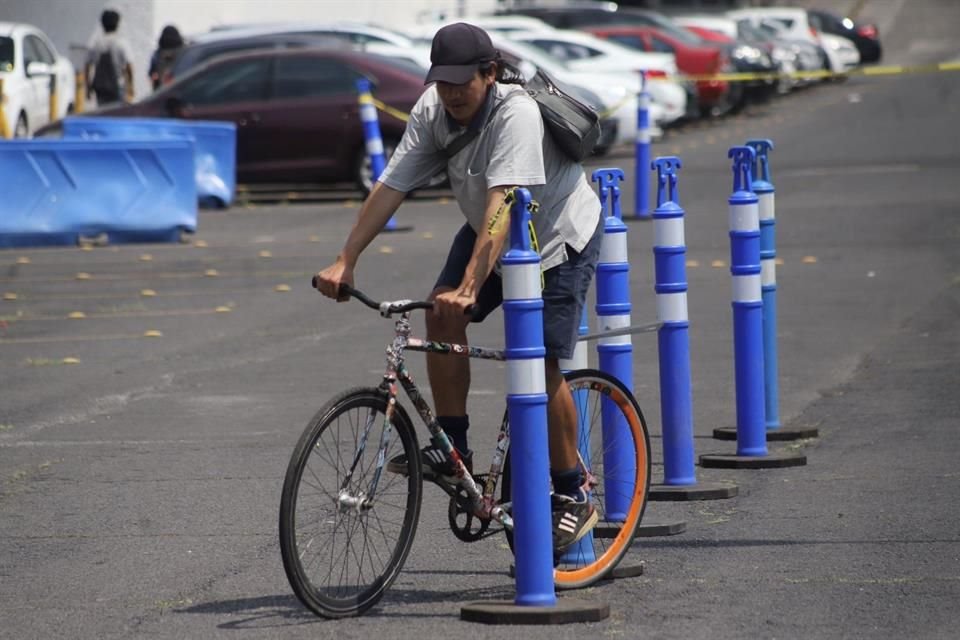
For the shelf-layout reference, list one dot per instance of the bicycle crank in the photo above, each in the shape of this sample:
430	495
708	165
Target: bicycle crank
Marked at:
464	523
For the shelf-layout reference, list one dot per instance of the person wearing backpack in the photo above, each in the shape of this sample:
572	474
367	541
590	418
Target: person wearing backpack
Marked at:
109	71
506	145
168	48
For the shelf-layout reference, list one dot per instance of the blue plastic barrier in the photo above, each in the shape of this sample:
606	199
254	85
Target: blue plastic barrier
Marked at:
56	191
374	142
527	407
642	193
215	151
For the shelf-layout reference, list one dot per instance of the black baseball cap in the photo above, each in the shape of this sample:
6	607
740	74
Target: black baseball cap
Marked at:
457	52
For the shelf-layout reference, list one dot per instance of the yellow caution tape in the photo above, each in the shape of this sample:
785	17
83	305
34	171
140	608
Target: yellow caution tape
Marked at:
889	70
396	113
4	130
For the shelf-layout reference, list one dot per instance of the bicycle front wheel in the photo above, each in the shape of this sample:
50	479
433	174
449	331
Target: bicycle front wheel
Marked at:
344	533
614	447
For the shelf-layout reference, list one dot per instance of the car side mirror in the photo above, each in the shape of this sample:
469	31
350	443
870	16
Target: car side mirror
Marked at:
39	69
175	106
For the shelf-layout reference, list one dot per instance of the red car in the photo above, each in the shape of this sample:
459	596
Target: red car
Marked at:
695	56
296	109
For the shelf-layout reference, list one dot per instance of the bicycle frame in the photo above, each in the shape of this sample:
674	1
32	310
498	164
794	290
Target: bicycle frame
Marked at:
482	502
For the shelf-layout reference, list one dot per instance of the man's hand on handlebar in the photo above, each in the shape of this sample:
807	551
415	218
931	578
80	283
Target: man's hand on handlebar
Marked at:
454	304
329	280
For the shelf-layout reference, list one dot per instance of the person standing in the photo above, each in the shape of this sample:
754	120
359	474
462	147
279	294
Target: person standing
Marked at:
168	47
109	71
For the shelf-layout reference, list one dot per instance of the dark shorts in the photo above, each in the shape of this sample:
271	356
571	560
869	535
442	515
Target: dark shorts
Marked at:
564	292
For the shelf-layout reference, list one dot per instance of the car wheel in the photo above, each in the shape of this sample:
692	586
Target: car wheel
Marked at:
22	130
364	168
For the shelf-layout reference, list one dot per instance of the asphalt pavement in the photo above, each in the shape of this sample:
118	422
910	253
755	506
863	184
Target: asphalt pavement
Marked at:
152	395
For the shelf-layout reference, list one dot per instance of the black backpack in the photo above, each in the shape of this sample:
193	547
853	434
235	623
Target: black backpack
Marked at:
573	125
106	80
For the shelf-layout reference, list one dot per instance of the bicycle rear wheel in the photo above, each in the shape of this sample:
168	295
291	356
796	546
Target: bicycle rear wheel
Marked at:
618	466
341	550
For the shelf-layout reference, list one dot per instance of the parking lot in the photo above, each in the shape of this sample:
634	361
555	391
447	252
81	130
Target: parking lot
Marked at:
152	395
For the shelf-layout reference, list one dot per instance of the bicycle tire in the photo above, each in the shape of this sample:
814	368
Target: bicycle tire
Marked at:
317	528
596	555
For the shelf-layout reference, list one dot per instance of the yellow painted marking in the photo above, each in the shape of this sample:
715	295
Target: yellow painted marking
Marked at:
9	296
282	288
147	293
314	238
711	139
675	150
77	315
350	204
86	247
265	254
200	243
386	249
82	276
443	200
152	333
70	361
809	260
427	235
693	263
717	264
211	273
146	257
23	260
778	261
223	309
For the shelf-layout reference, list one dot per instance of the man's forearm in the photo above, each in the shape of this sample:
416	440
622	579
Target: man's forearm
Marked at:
489	243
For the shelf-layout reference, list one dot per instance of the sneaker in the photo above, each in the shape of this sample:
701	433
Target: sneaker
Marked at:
434	465
572	519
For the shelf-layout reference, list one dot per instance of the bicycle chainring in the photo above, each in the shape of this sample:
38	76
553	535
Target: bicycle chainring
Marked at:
466	525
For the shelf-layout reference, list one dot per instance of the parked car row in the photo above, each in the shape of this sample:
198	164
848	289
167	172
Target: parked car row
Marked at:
291	88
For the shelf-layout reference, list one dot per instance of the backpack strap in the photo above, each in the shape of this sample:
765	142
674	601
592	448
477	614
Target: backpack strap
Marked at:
468	136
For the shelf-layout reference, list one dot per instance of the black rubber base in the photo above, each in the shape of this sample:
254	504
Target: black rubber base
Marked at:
566	611
769	461
699	491
647	529
773	435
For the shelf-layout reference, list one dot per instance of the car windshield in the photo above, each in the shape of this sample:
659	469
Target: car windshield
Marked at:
6	54
669	27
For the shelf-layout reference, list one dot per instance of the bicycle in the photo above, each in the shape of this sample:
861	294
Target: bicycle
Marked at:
336	486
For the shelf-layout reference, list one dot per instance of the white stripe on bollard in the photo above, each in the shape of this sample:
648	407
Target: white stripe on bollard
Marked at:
613	249
668	232
523	282
746	288
374	146
643	136
765	205
368	112
609	323
744	217
672	307
768	272
526	376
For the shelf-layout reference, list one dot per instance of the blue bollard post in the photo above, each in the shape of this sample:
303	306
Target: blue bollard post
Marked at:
371	134
768	278
747	306
673	342
615	354
673	339
527	407
748	326
642	193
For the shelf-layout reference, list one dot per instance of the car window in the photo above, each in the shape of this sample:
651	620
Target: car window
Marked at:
233	81
42	50
631	41
30	53
6	54
660	45
565	50
307	76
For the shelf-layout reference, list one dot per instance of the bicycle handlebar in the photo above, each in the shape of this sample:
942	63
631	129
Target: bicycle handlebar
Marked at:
387	308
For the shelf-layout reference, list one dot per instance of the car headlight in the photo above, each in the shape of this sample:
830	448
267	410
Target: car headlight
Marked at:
748	53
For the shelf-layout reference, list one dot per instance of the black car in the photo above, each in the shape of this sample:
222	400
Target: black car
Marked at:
865	36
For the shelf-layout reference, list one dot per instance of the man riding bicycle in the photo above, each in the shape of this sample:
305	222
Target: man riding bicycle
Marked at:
468	86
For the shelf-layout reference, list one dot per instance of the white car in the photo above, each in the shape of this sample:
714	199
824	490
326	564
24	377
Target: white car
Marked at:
28	60
794	23
583	52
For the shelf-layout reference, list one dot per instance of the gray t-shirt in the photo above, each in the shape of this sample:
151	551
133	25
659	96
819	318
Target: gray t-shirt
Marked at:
512	149
118	48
